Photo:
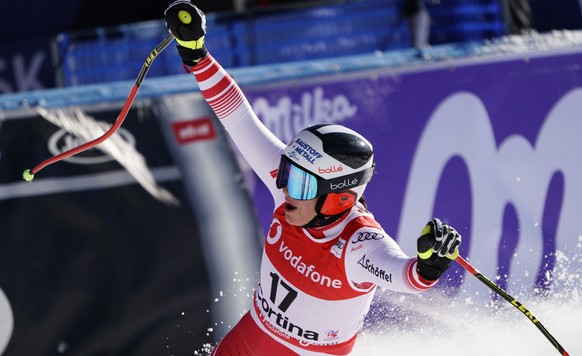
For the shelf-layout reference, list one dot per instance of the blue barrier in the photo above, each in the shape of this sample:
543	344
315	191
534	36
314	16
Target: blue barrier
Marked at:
355	27
466	21
448	54
327	31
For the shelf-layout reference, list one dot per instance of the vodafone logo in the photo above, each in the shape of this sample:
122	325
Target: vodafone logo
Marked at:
332	169
274	232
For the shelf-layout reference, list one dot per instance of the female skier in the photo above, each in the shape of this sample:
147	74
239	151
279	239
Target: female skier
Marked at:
324	254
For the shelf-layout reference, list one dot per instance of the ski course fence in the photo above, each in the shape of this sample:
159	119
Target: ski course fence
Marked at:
330	29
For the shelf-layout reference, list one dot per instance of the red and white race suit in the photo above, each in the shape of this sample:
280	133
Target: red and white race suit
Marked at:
316	284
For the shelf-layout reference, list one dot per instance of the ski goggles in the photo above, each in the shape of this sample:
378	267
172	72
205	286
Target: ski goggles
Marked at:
303	185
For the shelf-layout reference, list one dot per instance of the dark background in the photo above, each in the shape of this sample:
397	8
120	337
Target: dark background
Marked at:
99	271
28	27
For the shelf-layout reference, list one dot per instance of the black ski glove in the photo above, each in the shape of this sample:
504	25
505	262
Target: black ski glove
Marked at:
437	247
188	24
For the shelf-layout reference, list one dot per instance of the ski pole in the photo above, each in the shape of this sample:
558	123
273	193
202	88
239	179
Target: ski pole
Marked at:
466	265
28	174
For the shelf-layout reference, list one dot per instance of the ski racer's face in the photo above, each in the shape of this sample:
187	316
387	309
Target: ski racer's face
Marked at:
299	212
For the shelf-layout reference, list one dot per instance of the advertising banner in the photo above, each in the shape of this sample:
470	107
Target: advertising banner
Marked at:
489	146
26	65
91	262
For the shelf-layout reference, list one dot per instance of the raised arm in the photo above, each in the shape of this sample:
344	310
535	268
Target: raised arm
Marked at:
258	145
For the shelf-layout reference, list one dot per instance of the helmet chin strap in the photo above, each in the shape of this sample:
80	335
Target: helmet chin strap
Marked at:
322	219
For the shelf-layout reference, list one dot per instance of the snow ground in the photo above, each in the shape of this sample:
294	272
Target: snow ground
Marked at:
437	326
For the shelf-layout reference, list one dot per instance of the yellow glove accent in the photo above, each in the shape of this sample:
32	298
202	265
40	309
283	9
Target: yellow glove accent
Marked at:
454	255
425	255
426	230
199	43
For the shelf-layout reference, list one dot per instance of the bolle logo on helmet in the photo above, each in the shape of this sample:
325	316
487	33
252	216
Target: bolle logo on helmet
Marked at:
345	184
332	169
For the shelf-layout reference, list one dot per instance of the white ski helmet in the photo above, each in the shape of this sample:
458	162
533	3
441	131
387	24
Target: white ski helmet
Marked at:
328	161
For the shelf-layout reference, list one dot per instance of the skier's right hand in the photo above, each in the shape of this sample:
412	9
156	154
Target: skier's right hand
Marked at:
188	24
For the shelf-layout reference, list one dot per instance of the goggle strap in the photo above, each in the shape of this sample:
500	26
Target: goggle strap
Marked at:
324	186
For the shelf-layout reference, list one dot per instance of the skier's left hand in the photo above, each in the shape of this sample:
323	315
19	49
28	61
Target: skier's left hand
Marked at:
188	24
437	247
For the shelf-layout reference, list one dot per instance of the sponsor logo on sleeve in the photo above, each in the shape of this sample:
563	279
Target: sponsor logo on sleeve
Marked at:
367	236
378	272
